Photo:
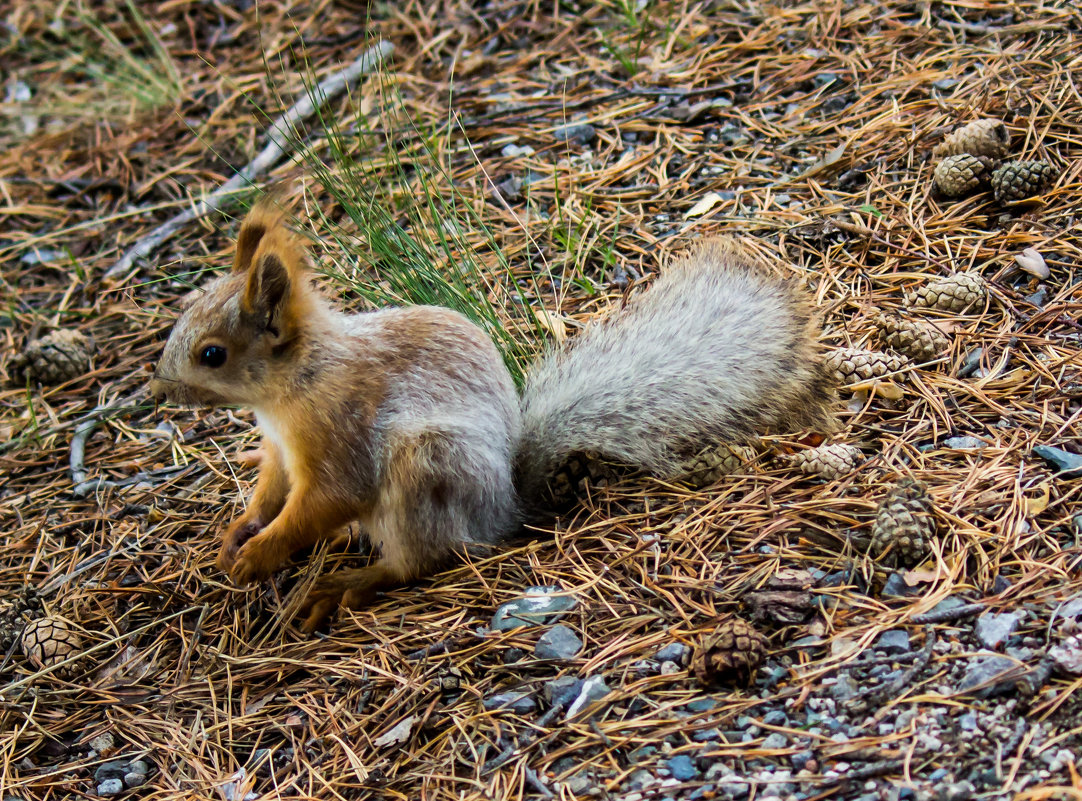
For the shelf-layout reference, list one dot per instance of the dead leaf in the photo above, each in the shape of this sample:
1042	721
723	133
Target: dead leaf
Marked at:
1034	506
830	158
399	733
1033	263
705	204
914	577
889	390
553	323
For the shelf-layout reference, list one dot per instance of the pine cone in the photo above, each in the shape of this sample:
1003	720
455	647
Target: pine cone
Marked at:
917	339
1016	180
734	651
959	175
15	610
979	138
854	366
53	359
828	461
577	473
48	641
956	293
904	523
713	462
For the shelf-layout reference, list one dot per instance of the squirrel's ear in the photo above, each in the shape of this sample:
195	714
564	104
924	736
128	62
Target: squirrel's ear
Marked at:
267	292
264	216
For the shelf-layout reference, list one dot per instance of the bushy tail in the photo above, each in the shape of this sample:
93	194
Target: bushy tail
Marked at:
717	350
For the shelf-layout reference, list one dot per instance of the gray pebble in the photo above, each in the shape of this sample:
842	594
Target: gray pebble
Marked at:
682	768
1069	464
897	588
583	133
111	787
992	630
895	641
673	652
134	779
563	690
537	606
775	740
963	443
517	701
982	672
593	689
775	717
559	642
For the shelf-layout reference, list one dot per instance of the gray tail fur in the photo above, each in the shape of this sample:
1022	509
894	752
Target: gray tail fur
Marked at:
716	350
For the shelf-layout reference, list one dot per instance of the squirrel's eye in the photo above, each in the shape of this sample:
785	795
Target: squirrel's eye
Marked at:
212	356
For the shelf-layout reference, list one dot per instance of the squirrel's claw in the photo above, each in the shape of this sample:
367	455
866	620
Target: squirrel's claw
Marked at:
239	532
256	562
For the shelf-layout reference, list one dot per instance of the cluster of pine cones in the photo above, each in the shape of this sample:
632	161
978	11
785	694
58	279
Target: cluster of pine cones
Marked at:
973	157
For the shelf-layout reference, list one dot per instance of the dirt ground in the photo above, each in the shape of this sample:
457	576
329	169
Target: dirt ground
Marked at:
596	139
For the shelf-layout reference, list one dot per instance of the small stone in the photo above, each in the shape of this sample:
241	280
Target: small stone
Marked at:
103	742
111	787
113	769
139	766
563	690
517	701
897	588
987	676
559	642
844	689
593	690
539	605
955	791
1069	464
894	641
682	768
802	760
961	443
993	630
673	652
583	133
134	779
701	705
776	717
775	740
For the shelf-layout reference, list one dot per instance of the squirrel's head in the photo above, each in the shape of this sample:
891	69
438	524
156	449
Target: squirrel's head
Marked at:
231	344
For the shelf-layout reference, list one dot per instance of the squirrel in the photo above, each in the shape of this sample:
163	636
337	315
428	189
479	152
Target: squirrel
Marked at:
407	421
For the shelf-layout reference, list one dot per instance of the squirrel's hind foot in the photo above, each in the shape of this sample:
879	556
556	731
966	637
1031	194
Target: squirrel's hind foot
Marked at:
351	589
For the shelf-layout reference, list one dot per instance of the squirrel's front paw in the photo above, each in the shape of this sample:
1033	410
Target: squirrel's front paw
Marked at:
258	560
240	531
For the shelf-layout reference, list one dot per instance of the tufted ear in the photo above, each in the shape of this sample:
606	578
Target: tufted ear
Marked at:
267	293
264	216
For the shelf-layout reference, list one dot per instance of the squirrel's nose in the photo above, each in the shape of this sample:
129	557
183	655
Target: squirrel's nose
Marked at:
156	388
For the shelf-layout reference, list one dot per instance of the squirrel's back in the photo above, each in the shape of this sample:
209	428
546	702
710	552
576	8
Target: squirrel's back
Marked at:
717	349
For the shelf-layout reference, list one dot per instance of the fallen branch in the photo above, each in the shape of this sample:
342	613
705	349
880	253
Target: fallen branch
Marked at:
280	143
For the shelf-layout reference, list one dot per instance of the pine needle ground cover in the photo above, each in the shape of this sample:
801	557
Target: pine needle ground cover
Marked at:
893	619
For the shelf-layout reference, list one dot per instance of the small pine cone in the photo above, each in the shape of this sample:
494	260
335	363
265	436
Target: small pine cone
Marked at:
577	473
955	293
904	523
917	339
828	461
15	610
713	462
1016	180
48	641
53	359
959	175
854	366
979	138
734	651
